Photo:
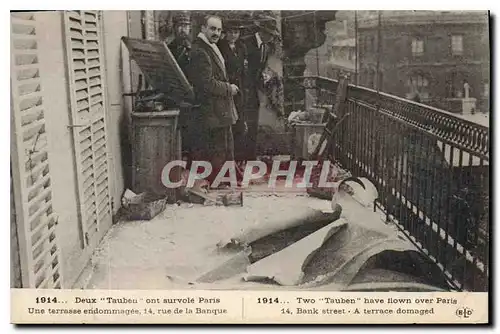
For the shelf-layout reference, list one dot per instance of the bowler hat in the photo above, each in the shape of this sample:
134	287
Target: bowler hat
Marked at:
181	17
233	24
268	24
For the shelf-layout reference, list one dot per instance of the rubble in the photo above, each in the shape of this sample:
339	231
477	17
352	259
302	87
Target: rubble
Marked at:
214	198
272	239
309	116
336	174
141	206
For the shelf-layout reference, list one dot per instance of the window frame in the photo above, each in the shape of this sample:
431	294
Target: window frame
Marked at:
455	52
415	42
420	82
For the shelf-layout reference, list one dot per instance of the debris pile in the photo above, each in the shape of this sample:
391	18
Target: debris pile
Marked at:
310	116
337	248
141	206
211	198
274	243
335	175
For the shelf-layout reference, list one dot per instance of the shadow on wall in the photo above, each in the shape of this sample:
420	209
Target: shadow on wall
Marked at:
126	149
15	262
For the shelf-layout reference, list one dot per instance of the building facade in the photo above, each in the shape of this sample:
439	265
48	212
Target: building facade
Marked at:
342	58
435	57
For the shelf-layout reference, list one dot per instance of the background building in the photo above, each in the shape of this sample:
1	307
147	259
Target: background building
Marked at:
342	58
432	54
338	53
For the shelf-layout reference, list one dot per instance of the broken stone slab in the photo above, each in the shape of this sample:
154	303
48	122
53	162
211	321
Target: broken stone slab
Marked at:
215	198
129	197
301	217
352	258
363	242
285	267
275	242
143	206
237	264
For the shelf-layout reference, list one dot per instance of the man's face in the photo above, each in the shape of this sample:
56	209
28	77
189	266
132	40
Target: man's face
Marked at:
212	29
182	31
232	35
265	36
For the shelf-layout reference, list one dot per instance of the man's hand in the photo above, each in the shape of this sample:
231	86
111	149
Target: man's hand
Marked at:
234	89
245	128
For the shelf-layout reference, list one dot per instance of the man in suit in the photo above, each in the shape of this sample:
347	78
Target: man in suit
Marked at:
214	93
235	57
257	46
180	46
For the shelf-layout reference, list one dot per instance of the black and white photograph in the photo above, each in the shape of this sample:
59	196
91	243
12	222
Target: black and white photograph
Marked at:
251	150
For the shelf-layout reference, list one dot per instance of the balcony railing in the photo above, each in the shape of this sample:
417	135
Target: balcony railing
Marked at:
452	104
431	169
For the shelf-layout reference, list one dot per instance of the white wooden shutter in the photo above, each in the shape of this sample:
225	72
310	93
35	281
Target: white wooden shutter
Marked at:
88	120
40	254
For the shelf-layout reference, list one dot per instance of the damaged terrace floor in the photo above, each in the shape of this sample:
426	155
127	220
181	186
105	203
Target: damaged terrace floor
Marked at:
192	247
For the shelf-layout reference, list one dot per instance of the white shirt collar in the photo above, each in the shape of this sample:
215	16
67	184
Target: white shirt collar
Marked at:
259	40
204	38
213	46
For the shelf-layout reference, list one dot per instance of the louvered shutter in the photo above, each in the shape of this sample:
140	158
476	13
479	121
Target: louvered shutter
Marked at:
88	119
40	255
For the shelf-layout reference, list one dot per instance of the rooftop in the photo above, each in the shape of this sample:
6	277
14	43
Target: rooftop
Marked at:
424	17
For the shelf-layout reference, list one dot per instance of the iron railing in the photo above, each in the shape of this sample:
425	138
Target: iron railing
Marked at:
431	169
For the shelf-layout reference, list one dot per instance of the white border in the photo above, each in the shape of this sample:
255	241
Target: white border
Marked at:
170	5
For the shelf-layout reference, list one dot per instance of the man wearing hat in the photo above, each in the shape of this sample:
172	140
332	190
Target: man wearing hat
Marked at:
258	48
181	44
180	47
235	56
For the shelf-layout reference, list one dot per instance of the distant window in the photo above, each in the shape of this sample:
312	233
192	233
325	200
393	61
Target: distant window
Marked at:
418	85
417	47
342	53
486	91
455	84
457	46
350	54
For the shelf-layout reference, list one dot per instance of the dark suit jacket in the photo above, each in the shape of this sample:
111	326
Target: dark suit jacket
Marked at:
235	68
211	86
181	51
256	63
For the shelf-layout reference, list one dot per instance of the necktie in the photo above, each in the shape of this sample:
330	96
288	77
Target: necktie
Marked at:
263	54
